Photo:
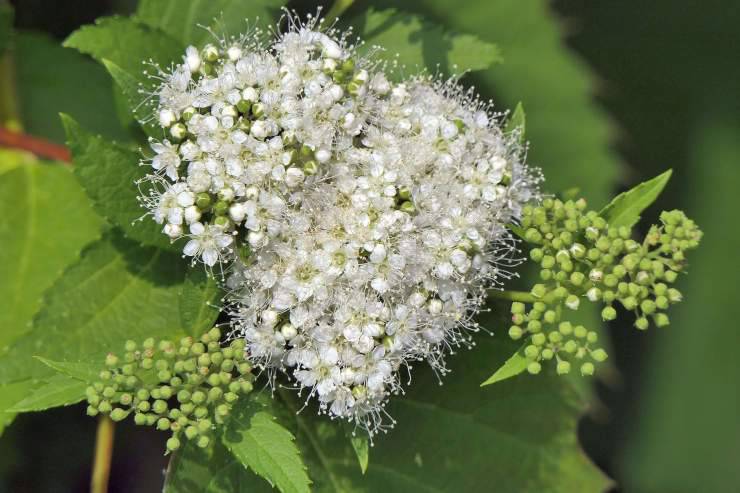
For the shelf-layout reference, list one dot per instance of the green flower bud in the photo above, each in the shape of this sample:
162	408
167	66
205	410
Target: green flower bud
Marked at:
547	354
580	331
608	313
139	419
183	396
198	397
203	441
661	320
599	355
563	367
534	368
550	316
647	307
163	424
587	369
246	386
118	414
515	332
538	339
518	308
92	411
159	406
173	444
536	254
111	360
572	302
642	323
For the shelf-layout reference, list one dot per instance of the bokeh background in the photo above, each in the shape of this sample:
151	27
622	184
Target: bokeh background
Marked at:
615	92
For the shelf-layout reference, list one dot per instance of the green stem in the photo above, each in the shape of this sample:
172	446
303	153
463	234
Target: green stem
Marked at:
521	296
9	113
103	455
338	8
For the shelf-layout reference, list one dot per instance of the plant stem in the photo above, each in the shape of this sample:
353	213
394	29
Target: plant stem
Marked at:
39	147
338	8
103	455
9	114
522	296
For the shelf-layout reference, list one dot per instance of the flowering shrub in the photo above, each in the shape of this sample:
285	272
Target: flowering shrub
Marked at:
344	217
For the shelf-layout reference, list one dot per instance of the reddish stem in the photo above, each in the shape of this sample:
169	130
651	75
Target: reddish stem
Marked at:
40	147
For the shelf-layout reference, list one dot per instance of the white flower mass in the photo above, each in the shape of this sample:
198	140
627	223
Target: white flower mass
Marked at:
358	219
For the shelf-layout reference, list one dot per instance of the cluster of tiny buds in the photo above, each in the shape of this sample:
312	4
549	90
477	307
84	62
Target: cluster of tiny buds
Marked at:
186	388
581	256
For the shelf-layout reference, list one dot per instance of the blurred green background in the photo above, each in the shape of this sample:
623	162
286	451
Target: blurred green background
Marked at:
615	92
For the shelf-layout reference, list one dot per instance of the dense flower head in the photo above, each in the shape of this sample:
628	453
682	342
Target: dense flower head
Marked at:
359	219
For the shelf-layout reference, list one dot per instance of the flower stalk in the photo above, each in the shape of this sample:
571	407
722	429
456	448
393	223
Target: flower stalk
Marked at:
103	455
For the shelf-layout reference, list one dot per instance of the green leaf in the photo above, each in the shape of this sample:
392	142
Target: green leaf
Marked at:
198	298
522	433
118	290
361	446
83	372
210	470
57	391
53	80
570	134
626	207
186	22
127	43
47	220
135	100
10	395
517	121
108	173
266	447
421	44
511	368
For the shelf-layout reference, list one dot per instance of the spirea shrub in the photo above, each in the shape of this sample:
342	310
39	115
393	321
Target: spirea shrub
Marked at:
358	221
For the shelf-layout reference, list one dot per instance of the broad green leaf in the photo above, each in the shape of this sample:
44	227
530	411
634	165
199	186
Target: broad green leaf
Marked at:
626	207
417	44
58	390
12	158
186	22
570	135
517	121
83	372
266	447
118	290
10	395
127	43
47	220
198	301
51	80
511	368
211	470
522	433
361	445
687	435
108	173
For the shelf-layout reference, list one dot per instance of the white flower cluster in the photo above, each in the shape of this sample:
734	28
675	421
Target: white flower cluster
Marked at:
359	220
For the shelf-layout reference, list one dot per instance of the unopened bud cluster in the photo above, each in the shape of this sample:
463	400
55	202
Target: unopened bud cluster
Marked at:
186	388
360	220
582	258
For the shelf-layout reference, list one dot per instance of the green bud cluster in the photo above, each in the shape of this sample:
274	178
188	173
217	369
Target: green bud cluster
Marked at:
582	258
186	388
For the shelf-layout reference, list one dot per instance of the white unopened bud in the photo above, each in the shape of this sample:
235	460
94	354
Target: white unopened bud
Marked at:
192	58
167	117
174	231
237	212
435	307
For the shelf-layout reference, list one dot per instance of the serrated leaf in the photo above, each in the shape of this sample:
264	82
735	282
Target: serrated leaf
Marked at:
511	368
626	207
52	80
210	470
417	43
517	122
83	372
263	445
58	390
186	22
437	427
108	173
127	43
198	298
118	290
47	220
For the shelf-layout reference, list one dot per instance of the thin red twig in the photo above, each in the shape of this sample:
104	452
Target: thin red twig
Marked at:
39	147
